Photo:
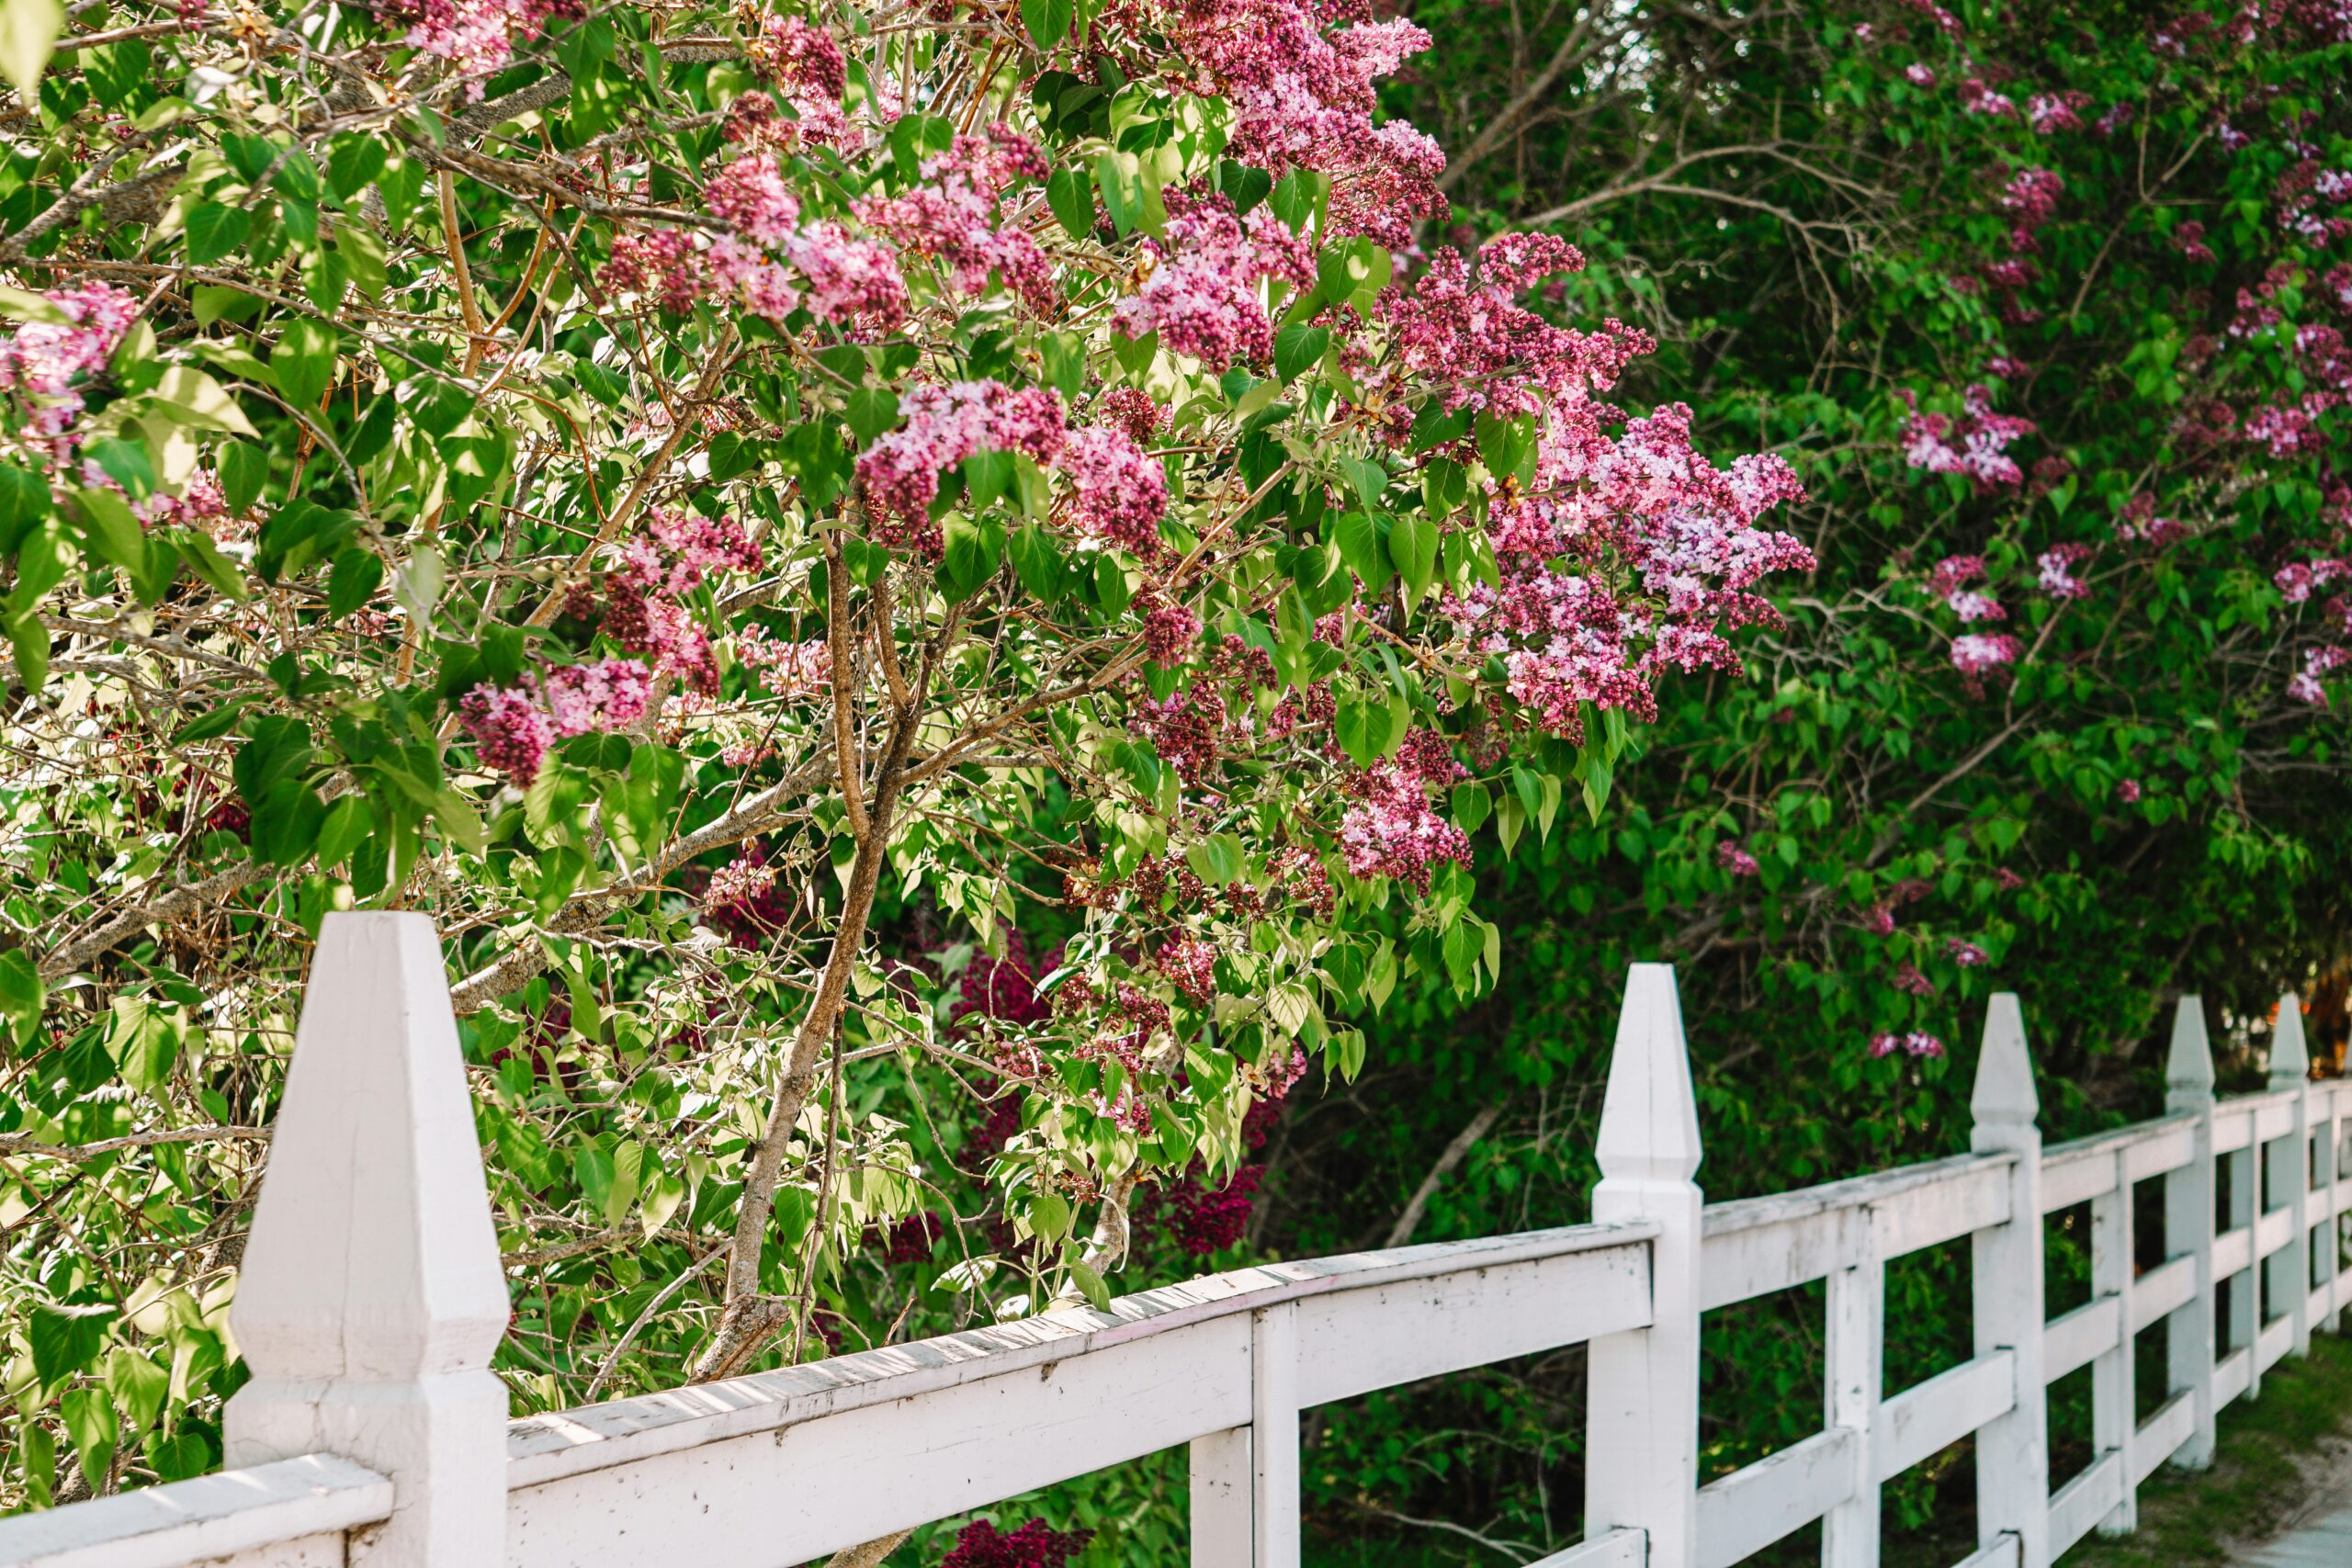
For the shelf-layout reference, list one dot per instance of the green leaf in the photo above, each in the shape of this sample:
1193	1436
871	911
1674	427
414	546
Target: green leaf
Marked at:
1119	178
986	475
1294	199
1070	193
22	993
89	1420
974	552
1363	545
1097	1293
201	403
348	822
28	639
1038	563
65	1339
353	164
1299	348
139	1386
1048	20
1462	943
353	580
303	362
28	30
1217	860
214	230
870	411
285	826
1412	547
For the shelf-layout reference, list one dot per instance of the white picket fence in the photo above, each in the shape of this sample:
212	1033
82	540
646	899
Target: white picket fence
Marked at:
373	1295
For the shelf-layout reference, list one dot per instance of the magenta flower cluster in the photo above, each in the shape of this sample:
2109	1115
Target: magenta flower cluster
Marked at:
512	726
46	364
1392	830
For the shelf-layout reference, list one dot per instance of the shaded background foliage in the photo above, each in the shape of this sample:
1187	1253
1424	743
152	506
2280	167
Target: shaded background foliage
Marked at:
1798	200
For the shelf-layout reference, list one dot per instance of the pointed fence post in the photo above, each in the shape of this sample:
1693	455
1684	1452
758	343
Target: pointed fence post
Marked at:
2290	1183
2188	1229
2012	1450
1642	1448
372	1295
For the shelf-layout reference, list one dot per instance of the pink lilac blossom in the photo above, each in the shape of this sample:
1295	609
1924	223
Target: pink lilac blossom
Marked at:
1919	75
808	70
609	694
1391	831
1948	581
978	1545
787	668
1118	492
1170	633
1190	965
1967	954
2318	663
476	35
1908	980
2057	567
2298	579
1915	1043
2031	197
1305	97
1735	860
2127	792
47	363
951	218
1975	97
511	731
899	471
2051	112
1880	919
1975	655
750	193
1975	445
853	283
2189	241
1203	294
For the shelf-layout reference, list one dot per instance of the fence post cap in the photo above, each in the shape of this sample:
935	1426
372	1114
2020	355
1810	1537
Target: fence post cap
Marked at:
372	1256
1649	1117
2004	1095
2190	1066
2291	1059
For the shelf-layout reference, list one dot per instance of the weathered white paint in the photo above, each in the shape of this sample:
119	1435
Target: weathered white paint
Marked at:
1751	1508
1642	1398
1274	1435
1618	1549
277	1512
382	1352
1929	1416
2289	1176
371	1295
1221	1526
2012	1451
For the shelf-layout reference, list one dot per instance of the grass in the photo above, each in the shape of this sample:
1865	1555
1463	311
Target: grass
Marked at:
2256	1484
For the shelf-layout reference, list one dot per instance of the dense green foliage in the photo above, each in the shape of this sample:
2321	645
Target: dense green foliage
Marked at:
1807	231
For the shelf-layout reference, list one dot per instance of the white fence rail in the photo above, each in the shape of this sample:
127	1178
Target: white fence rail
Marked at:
372	1298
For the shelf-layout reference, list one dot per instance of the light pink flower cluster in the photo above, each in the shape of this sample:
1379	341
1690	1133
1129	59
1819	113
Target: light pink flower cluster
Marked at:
646	611
1974	445
1948	582
1391	830
47	363
2031	197
750	193
1682	534
1467	331
2057	567
1203	296
1735	860
787	668
952	217
1976	656
1305	98
806	69
1967	954
2297	581
2048	113
1190	965
2318	663
513	725
899	471
1118	492
1914	1043
476	35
